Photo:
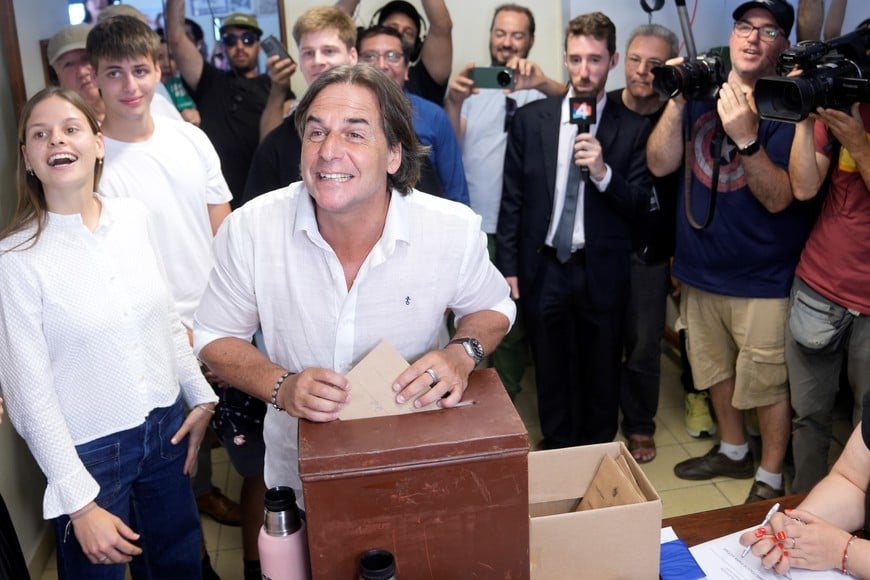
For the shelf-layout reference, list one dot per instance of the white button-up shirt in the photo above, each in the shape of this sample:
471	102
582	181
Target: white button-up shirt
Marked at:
273	269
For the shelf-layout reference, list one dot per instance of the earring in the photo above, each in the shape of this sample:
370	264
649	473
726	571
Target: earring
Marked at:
30	172
99	160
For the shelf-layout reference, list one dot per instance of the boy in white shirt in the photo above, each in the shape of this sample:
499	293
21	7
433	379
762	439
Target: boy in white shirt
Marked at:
174	169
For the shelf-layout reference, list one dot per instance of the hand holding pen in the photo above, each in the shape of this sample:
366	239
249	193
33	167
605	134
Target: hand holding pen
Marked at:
759	534
760	529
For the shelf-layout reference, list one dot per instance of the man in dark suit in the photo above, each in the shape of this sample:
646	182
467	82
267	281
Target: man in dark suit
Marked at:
574	279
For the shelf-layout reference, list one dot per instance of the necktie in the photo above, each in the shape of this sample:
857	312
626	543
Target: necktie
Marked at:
565	230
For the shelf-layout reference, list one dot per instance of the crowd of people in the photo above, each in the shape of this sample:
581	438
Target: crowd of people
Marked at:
197	254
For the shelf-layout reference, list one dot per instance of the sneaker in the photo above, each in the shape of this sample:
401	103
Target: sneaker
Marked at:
760	491
699	421
715	464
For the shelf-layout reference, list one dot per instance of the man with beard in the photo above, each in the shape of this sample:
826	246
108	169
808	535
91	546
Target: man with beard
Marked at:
564	239
230	103
736	272
481	118
648	46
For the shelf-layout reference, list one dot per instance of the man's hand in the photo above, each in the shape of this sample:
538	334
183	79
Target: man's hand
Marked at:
588	153
314	394
739	116
514	283
280	71
848	128
104	538
528	75
461	87
451	365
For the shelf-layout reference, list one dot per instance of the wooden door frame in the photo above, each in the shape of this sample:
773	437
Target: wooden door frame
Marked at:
12	56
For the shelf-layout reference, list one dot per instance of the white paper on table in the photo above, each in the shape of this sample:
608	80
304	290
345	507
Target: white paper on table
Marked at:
721	560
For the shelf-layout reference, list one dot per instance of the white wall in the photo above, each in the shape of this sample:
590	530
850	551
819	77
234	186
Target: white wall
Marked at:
470	30
20	480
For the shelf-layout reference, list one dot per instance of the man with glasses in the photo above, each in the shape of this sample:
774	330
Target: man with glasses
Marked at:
737	271
648	46
481	119
442	171
230	103
431	48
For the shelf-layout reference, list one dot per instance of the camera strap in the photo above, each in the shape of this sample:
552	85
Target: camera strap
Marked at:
689	163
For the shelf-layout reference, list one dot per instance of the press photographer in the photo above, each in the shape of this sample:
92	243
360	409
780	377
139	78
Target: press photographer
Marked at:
833	75
833	273
736	272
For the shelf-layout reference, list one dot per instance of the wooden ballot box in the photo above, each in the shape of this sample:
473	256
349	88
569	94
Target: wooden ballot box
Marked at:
445	491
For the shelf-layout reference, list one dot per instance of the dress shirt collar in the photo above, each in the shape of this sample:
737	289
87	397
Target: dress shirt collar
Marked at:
396	228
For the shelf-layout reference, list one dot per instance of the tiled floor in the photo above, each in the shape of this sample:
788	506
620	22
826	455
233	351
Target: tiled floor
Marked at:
673	442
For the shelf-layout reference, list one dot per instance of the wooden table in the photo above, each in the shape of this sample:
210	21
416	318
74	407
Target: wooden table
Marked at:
703	526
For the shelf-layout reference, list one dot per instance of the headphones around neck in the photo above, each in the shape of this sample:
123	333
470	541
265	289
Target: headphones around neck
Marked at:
421	34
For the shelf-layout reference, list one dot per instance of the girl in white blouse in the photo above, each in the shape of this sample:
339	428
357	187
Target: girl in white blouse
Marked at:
92	356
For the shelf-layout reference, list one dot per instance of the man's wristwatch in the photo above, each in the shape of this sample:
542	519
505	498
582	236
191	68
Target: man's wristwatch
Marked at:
472	347
751	148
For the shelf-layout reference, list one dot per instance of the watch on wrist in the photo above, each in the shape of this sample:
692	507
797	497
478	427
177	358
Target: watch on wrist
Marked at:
750	148
472	347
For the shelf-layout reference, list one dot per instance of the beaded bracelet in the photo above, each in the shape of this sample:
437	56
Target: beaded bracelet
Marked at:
83	512
844	565
277	386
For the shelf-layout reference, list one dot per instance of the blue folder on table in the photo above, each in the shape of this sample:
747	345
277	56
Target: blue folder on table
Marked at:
677	562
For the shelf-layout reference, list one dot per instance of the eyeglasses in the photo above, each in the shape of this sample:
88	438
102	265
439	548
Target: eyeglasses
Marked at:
510	109
766	33
248	39
373	56
650	62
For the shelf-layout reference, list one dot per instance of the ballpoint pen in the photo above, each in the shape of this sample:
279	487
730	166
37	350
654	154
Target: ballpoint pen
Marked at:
764	522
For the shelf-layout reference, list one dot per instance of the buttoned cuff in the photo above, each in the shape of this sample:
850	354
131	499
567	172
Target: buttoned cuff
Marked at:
604	183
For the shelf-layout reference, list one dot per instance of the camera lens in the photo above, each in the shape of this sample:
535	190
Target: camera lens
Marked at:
504	78
667	81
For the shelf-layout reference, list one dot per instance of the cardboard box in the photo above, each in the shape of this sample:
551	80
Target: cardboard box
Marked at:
606	543
445	491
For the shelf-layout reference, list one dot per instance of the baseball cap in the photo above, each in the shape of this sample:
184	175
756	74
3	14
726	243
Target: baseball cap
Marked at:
242	20
74	37
121	10
781	10
401	6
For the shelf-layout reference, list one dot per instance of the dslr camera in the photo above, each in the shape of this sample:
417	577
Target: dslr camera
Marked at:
834	75
696	79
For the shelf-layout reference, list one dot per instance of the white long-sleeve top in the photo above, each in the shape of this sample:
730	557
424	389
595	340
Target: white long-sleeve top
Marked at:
90	342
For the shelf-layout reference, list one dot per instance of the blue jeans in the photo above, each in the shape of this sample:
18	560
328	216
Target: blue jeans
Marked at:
141	482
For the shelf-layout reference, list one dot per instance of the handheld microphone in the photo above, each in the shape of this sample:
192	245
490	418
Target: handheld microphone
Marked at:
581	112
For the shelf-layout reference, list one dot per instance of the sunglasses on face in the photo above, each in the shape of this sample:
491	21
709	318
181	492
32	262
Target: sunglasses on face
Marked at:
248	39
